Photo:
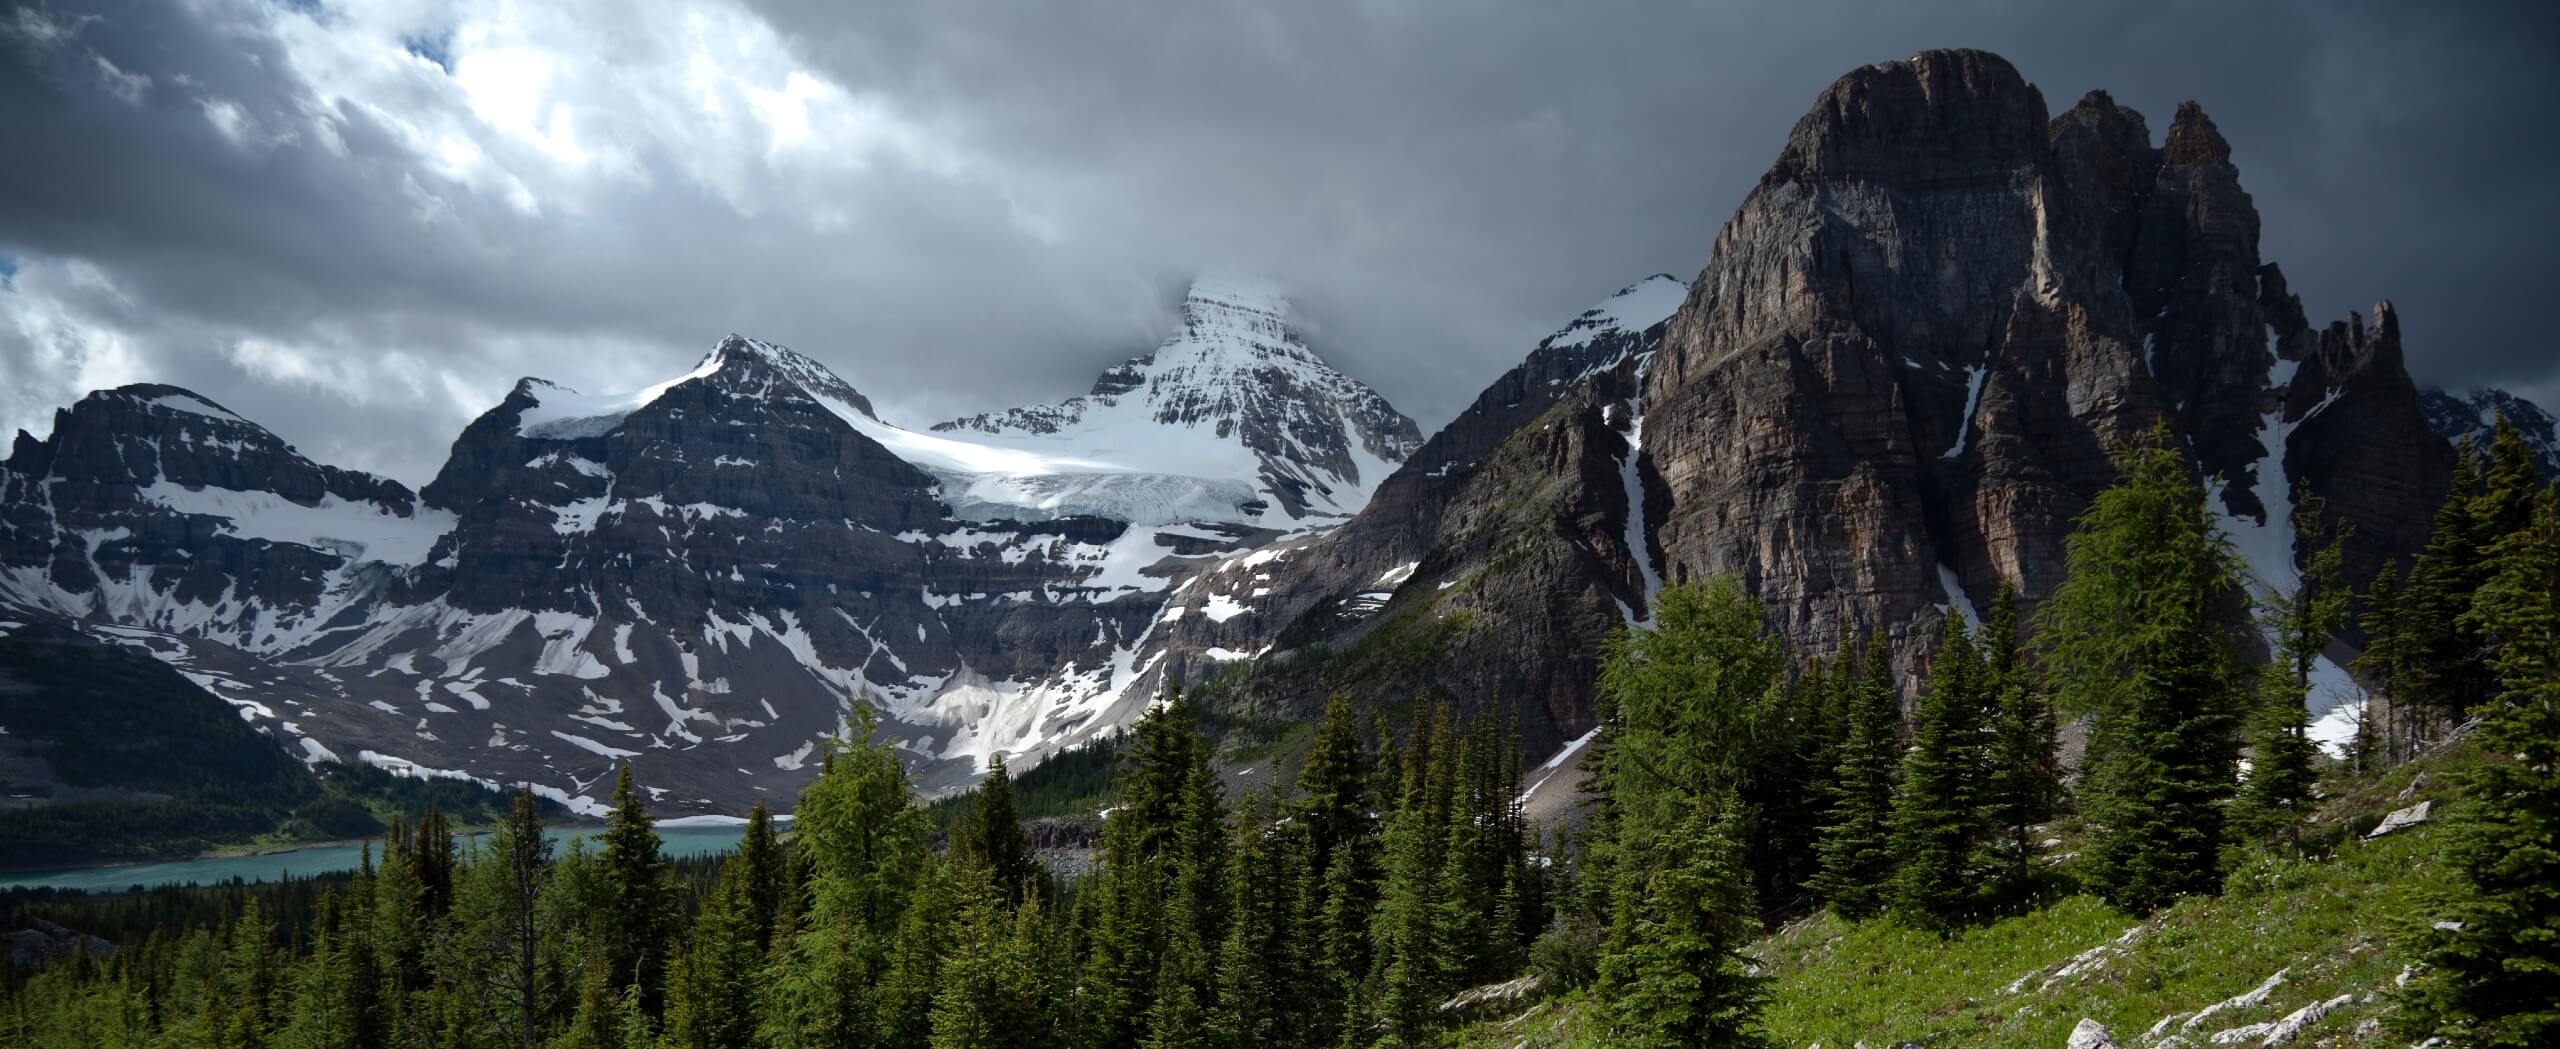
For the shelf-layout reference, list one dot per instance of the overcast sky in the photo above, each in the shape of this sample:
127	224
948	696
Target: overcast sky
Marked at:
358	221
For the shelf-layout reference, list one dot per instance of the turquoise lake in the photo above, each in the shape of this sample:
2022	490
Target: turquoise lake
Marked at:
304	863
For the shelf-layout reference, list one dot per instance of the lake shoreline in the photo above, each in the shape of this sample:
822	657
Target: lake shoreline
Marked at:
316	859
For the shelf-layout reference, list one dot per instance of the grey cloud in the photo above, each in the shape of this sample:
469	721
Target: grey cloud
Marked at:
1439	183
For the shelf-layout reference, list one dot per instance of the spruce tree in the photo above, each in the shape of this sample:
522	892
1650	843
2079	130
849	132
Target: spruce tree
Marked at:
2382	664
759	870
2022	777
996	991
2142	636
1857	849
1682	980
864	843
2283	773
1935	824
2442	668
2494	970
1698	707
495	952
1333	785
711	987
639	927
992	835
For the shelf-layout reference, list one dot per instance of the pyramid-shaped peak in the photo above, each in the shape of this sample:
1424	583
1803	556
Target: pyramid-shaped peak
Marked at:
554	411
1238	290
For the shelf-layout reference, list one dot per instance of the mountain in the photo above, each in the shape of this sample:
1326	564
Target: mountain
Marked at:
704	577
2473	416
1906	367
1488	565
1228	420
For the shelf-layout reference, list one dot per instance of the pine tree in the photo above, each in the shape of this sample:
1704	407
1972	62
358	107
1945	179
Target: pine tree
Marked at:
1857	849
639	882
1698	707
904	1001
711	992
1153	843
2022	779
1935	824
864	842
2381	665
2283	774
495	952
2142	636
1333	786
2442	668
759	870
996	991
2494	979
992	835
1682	979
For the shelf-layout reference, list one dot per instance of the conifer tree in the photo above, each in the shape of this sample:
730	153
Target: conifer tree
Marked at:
759	870
2283	774
1857	848
433	856
638	929
495	953
1935	823
711	993
1333	786
1698	708
2142	635
1406	942
2022	778
1250	980
2494	978
865	845
2441	667
904	1001
996	991
2382	664
1682	980
1137	903
992	835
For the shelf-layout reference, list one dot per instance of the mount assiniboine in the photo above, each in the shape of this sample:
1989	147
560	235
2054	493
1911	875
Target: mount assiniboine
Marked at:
1904	369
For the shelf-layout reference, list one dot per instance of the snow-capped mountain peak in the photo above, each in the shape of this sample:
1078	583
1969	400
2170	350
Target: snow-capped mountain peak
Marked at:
2473	416
1228	419
1633	308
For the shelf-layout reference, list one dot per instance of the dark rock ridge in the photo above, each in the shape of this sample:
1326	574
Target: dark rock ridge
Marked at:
704	578
1908	364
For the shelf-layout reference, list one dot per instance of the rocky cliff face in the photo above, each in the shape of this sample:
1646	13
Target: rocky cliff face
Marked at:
1896	383
1906	367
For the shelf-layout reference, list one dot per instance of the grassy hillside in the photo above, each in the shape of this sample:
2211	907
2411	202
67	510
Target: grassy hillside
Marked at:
2346	924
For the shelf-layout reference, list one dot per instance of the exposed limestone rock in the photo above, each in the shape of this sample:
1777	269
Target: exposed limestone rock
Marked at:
2090	1034
2401	819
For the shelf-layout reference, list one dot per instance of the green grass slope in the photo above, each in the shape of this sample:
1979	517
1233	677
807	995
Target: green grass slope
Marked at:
2347	924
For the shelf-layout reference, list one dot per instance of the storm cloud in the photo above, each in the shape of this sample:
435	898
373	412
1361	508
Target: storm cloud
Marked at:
360	221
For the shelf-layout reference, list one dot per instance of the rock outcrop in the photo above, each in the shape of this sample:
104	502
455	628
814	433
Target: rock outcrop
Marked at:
1911	359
